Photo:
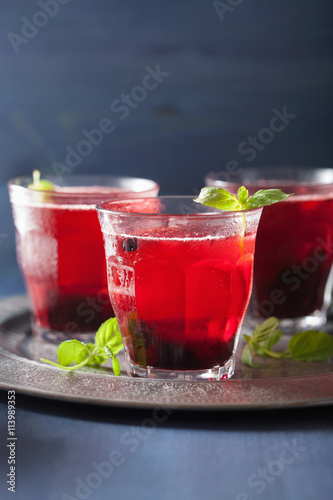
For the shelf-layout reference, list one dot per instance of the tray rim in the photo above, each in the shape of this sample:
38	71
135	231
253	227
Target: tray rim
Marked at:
80	399
13	383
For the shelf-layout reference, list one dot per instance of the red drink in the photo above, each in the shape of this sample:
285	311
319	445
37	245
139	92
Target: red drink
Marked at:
64	265
179	288
190	296
294	248
60	250
294	255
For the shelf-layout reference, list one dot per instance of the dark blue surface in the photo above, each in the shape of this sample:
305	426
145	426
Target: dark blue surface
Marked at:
191	456
225	79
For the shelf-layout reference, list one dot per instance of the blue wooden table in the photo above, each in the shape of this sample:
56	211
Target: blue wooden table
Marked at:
67	451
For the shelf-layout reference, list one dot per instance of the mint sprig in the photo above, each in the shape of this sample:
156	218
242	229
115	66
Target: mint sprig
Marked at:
40	185
222	199
311	345
108	343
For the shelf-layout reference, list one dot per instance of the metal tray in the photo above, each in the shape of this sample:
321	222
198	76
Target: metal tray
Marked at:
276	384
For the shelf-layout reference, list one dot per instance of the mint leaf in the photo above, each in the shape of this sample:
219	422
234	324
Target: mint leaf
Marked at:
243	195
115	362
247	355
311	346
222	199
71	351
116	366
261	350
108	343
218	198
264	337
93	357
40	185
265	197
273	339
80	353
109	334
265	346
263	331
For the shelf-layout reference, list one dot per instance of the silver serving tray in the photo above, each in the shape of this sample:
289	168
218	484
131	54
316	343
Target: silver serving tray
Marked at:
276	384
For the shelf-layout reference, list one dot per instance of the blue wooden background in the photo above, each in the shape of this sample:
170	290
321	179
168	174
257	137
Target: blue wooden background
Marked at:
225	78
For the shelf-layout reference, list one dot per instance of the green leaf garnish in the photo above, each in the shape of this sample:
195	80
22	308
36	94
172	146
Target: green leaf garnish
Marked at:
115	362
222	199
309	345
265	197
108	342
71	351
109	335
243	195
218	198
247	355
40	185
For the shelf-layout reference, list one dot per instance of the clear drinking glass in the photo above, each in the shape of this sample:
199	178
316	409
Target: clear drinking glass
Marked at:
60	249
180	277
294	248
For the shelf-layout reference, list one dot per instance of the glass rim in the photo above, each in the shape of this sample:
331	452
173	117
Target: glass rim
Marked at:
20	183
213	176
215	213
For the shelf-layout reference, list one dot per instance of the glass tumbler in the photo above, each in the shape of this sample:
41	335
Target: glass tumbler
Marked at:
180	277
294	248
60	250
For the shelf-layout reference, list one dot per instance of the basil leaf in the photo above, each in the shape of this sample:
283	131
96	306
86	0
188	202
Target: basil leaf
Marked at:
116	366
97	359
108	344
218	198
243	195
40	185
109	334
70	351
43	185
263	331
272	339
115	362
311	346
265	197
248	352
